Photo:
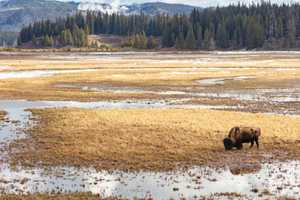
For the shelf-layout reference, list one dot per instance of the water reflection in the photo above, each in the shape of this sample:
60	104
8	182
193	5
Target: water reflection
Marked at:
280	179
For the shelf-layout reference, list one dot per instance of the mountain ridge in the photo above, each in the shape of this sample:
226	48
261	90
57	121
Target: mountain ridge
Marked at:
149	8
14	14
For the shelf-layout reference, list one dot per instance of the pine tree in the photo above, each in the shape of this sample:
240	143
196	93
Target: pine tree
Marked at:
207	39
180	43
152	43
69	38
190	40
79	37
136	41
143	41
47	41
291	33
51	42
34	40
222	37
199	37
140	41
87	30
255	34
168	37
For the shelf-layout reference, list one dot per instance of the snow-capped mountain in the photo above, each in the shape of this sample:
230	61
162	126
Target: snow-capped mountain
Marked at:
146	8
14	14
102	7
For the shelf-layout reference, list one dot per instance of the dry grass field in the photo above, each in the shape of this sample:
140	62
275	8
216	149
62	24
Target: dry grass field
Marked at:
150	139
148	72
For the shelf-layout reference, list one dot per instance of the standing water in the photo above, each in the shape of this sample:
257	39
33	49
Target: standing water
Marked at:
39	73
280	179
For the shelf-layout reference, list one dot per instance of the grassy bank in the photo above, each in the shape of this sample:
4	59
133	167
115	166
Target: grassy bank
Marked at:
150	139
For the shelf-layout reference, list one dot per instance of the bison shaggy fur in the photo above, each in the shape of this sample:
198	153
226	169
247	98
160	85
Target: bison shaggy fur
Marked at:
240	135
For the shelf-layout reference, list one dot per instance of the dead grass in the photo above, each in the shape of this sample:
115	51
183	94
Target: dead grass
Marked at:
150	139
2	115
140	72
39	60
77	196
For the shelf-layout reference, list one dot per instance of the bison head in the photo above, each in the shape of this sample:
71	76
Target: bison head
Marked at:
228	143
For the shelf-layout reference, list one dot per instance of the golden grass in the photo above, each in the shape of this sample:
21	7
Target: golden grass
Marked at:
2	115
75	196
48	60
149	139
140	72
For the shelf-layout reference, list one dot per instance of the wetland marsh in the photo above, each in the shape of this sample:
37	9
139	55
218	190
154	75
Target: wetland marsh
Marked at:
148	125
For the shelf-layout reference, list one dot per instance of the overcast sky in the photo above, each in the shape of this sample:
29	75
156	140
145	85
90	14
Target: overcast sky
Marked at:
201	3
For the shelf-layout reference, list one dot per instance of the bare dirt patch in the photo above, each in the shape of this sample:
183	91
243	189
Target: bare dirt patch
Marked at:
151	139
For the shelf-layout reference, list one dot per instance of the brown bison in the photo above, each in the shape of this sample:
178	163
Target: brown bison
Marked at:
239	135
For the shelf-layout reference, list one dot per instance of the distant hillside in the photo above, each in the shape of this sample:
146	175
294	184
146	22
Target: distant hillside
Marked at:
14	14
160	8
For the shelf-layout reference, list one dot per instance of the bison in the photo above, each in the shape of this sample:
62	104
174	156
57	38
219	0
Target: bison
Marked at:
239	135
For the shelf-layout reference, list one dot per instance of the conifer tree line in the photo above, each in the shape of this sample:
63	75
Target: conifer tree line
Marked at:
233	27
140	41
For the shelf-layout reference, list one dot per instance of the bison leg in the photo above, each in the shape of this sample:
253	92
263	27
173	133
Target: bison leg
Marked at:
252	143
239	146
257	143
